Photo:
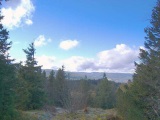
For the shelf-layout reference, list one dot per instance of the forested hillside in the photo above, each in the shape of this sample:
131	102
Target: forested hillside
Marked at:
116	77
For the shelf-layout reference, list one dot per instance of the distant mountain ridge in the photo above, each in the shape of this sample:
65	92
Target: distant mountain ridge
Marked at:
117	77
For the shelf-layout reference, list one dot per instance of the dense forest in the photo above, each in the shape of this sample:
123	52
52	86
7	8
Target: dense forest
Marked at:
25	86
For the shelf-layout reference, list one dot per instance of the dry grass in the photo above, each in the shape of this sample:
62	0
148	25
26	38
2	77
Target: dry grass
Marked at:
93	114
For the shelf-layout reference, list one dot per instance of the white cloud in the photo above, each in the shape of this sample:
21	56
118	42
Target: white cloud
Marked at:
78	63
47	62
68	44
17	13
29	22
119	59
41	41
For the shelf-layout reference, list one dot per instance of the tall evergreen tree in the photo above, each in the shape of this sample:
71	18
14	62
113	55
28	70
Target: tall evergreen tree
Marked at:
51	88
147	72
7	76
21	88
30	55
44	77
44	74
126	105
61	91
84	91
145	90
105	94
33	75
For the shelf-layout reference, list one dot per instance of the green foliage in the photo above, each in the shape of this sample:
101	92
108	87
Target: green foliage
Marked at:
142	97
147	72
44	75
61	89
21	89
79	95
25	116
7	77
34	80
51	88
127	104
105	94
30	52
6	91
84	90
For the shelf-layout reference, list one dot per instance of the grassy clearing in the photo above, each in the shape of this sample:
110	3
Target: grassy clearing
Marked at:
93	114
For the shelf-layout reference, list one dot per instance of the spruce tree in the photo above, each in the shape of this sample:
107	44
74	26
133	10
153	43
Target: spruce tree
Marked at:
148	71
144	92
7	76
51	88
84	91
128	103
34	78
61	90
105	94
21	89
44	74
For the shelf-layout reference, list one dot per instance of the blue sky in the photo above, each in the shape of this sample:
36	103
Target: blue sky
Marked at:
83	35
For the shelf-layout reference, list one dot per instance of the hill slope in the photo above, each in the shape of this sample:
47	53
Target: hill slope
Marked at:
117	77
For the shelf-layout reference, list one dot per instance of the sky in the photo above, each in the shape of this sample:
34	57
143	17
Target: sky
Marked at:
82	35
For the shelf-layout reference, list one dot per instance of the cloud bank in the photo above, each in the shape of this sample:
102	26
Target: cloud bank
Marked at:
68	44
17	13
47	62
119	59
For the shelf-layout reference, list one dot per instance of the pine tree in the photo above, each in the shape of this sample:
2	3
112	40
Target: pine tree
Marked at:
84	91
45	81
44	74
145	89
105	94
104	76
33	76
21	88
59	87
30	55
147	72
51	88
7	76
126	105
61	90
